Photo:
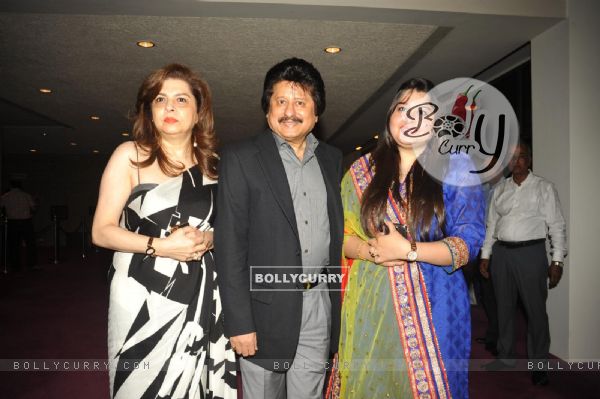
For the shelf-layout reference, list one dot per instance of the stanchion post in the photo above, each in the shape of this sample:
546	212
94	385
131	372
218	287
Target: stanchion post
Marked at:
5	243
56	243
83	237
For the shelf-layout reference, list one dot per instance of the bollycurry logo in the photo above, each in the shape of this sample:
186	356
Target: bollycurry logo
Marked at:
473	130
290	278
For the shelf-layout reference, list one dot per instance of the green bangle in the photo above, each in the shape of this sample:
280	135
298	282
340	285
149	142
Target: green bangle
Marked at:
358	250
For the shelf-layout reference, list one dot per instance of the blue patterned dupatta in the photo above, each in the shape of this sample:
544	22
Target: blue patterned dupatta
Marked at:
425	366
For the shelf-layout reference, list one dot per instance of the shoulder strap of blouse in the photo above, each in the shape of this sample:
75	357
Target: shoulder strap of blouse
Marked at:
137	158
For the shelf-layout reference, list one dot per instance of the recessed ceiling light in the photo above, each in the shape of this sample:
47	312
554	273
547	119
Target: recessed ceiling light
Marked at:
44	90
145	44
376	136
332	49
125	134
72	143
44	134
358	148
95	151
33	150
95	118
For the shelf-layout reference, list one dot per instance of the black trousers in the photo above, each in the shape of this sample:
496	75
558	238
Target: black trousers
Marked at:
522	272
490	306
20	230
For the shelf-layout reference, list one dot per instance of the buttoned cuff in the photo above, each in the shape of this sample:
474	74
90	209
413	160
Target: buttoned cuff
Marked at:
486	253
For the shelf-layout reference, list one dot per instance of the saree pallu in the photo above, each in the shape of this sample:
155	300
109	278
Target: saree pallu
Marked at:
405	331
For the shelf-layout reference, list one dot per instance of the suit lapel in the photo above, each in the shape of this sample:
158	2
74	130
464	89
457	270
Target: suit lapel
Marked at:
272	166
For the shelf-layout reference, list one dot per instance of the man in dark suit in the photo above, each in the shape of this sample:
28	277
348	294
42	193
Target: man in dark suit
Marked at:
278	239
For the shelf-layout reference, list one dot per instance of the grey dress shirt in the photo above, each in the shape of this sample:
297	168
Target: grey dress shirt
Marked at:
309	197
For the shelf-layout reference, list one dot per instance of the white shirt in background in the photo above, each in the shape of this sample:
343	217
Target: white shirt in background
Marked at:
527	212
18	204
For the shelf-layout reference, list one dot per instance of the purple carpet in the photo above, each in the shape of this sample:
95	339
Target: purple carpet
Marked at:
58	314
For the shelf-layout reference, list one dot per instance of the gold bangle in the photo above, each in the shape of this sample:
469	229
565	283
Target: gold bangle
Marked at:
359	247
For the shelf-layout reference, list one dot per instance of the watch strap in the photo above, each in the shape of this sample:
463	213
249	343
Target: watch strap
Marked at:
150	250
412	254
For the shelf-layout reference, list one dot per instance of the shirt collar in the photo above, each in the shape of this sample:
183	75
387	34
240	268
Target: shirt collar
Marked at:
524	182
311	144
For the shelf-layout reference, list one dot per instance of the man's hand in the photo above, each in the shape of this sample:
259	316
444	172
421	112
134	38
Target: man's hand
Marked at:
484	268
244	345
554	273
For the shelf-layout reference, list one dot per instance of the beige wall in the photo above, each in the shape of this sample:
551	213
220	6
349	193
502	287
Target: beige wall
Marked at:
584	133
550	120
566	138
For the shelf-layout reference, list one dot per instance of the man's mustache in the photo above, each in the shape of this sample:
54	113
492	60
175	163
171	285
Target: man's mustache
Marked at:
290	119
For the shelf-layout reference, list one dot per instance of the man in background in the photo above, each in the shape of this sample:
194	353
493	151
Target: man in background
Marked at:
524	210
19	207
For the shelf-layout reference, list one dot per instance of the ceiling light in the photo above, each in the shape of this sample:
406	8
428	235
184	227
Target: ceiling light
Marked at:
44	90
96	151
33	150
44	134
376	136
72	143
95	118
125	134
332	49
145	44
358	148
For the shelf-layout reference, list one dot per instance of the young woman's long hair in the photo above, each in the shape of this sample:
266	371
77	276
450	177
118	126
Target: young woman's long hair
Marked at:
147	136
426	196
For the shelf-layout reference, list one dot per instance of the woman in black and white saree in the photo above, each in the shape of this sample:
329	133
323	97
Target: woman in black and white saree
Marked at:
155	210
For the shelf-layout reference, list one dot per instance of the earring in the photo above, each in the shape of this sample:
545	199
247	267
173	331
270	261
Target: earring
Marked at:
195	144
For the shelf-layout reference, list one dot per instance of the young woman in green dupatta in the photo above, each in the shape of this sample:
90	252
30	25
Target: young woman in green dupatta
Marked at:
405	316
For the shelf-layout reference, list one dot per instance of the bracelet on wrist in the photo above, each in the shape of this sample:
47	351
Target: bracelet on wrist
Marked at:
150	250
360	245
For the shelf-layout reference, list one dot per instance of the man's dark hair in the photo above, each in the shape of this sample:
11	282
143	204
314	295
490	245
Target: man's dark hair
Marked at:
524	144
300	72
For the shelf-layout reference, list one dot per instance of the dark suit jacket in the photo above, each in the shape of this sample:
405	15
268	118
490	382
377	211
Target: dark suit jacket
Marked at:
256	226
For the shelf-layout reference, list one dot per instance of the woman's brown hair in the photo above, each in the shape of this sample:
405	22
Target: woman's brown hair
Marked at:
426	196
146	135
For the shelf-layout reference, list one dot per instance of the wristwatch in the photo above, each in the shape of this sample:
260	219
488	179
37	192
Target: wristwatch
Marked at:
150	250
411	256
557	263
